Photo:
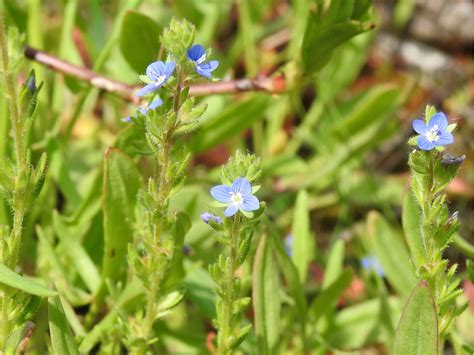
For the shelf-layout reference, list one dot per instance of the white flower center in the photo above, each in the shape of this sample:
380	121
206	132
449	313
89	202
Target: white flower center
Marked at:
201	59
236	198
433	134
159	80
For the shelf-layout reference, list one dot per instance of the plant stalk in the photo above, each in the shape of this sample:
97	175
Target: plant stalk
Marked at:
224	332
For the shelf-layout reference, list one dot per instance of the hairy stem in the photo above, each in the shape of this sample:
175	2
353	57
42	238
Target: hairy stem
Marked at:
164	187
19	208
10	94
225	322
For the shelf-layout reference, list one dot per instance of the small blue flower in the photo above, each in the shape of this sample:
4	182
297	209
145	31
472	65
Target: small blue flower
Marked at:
206	217
144	109
197	54
434	133
159	73
236	197
372	263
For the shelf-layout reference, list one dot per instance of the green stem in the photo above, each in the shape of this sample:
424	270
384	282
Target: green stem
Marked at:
19	209
464	246
225	321
426	213
12	100
4	319
16	235
163	192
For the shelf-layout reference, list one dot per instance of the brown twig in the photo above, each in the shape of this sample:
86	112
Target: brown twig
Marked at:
28	333
272	85
81	73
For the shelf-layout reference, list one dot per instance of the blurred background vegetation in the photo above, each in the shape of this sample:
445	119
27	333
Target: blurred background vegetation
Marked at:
337	132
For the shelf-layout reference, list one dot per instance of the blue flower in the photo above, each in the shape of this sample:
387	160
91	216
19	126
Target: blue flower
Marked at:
144	109
372	263
159	73
197	54
236	197
206	217
434	133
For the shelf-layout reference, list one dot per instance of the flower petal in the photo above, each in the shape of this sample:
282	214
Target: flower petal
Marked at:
203	72
209	66
127	119
425	144
155	69
196	52
155	103
206	217
143	110
250	204
212	65
221	193
231	210
169	68
439	119
146	89
242	185
445	138
419	126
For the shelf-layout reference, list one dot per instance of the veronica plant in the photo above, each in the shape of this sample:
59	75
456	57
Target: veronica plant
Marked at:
157	249
20	183
235	230
432	170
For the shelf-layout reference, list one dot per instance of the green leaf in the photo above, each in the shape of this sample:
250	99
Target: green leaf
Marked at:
12	279
290	274
121	183
57	272
334	264
303	241
412	222
200	289
266	298
229	123
77	255
417	331
392	253
370	117
327	299
320	41
62	340
359	325
139	40
181	226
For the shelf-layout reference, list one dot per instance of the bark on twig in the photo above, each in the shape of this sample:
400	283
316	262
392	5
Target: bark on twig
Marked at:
269	85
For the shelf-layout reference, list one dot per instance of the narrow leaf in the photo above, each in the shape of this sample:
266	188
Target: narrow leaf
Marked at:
62	340
392	253
303	241
417	331
290	274
120	187
411	219
266	298
232	121
334	264
12	279
327	300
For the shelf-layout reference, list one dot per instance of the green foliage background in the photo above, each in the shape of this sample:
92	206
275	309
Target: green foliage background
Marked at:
334	174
